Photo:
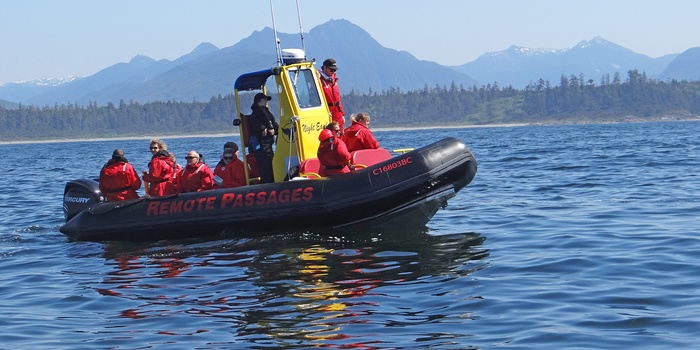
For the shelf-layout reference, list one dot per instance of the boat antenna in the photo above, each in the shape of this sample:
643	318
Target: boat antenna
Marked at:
277	40
301	30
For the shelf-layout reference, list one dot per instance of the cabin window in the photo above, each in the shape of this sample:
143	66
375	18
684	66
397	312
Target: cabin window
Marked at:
305	88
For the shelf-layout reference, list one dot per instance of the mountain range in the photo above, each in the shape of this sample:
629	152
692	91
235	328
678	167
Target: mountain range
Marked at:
365	66
518	66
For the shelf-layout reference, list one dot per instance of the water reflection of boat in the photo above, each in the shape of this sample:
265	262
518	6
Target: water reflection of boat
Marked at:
403	191
298	289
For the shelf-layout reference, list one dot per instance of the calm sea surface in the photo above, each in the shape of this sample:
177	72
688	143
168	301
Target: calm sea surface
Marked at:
569	237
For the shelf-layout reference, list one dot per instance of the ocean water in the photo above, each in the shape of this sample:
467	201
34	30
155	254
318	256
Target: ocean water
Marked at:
569	237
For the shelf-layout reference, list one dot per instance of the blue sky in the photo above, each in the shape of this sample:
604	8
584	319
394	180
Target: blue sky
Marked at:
59	38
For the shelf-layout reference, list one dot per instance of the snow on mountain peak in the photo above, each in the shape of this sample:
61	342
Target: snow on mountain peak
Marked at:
587	43
534	51
521	50
44	81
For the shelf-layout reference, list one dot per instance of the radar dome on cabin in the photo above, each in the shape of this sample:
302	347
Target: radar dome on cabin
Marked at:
291	56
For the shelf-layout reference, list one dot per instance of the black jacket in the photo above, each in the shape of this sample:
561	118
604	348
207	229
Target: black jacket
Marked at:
261	120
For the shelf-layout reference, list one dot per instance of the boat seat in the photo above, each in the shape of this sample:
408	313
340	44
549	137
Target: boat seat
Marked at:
310	168
252	167
245	131
367	157
253	175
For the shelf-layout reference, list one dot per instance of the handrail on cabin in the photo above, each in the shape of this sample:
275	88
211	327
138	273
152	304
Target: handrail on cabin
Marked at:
402	150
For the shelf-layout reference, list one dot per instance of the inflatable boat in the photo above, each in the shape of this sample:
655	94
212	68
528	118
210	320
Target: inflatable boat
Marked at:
384	191
402	192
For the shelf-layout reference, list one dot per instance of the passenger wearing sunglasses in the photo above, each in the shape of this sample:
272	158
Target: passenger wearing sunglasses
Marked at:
160	170
329	82
157	145
332	152
195	177
230	172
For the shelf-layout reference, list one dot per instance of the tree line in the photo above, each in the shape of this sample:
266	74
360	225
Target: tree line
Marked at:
573	100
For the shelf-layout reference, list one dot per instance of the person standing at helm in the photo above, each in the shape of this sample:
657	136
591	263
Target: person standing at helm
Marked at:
332	152
263	127
329	82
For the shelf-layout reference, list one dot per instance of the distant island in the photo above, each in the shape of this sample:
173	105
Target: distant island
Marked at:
636	98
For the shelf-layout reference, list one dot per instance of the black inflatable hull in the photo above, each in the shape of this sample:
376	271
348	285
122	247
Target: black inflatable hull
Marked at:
405	191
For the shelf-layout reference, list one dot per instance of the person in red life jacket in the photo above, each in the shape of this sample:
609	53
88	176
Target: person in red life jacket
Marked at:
176	166
358	136
195	177
230	171
157	145
160	172
229	144
250	160
329	82
118	179
332	152
263	128
177	169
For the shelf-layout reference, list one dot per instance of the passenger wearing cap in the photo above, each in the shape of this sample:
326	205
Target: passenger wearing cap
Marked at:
332	152
229	144
263	128
329	82
230	172
195	177
249	160
118	179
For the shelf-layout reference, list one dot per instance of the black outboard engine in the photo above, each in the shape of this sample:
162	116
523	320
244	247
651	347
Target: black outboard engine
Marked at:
79	195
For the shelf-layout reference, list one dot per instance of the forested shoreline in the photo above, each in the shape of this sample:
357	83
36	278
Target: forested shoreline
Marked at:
573	100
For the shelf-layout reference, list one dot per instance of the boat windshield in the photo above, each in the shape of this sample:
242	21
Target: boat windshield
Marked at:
305	88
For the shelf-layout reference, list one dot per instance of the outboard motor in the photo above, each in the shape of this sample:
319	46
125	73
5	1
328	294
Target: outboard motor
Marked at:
79	195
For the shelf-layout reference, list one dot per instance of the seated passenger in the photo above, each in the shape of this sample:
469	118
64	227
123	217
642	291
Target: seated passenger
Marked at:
160	172
358	136
195	177
118	179
250	160
177	169
230	172
229	144
157	145
332	152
